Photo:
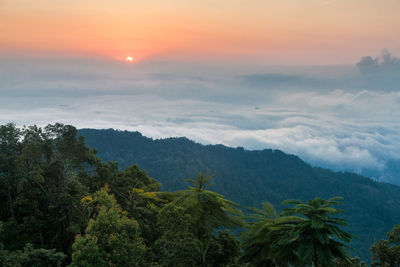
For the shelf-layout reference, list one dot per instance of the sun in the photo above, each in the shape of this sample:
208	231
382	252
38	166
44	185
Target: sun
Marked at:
129	59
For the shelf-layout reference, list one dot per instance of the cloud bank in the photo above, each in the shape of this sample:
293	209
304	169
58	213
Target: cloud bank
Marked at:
342	117
385	64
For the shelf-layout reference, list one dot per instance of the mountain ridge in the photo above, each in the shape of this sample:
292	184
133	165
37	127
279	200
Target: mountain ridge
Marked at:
252	176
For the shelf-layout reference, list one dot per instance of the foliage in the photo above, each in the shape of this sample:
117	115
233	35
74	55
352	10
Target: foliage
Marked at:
386	252
40	172
10	149
44	174
312	233
202	211
61	204
258	239
177	246
253	177
144	206
134	190
31	257
303	235
354	262
111	238
224	249
208	210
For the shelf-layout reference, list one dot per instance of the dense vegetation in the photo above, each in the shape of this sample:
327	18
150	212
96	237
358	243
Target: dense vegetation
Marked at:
252	177
62	205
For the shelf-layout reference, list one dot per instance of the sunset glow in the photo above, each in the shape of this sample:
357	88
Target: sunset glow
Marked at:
279	98
278	31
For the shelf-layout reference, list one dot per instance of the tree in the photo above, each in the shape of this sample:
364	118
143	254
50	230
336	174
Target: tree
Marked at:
10	149
224	249
259	240
313	234
386	252
41	171
111	238
31	257
207	211
354	262
144	207
120	182
45	172
178	245
134	190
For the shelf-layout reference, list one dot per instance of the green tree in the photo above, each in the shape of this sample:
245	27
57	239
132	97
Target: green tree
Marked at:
111	238
224	249
31	257
386	252
207	211
41	171
10	149
144	206
354	262
120	182
259	240
313	233
134	190
178	245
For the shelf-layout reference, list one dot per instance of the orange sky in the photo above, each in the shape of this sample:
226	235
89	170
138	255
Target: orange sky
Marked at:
285	31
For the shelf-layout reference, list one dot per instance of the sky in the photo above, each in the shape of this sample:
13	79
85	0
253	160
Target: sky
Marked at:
318	79
286	31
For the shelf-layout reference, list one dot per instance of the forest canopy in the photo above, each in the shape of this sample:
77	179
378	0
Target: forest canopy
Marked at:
62	205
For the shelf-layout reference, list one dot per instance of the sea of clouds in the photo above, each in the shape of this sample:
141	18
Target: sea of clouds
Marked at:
342	117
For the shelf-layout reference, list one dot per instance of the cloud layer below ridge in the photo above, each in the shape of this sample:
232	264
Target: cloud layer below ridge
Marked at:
343	117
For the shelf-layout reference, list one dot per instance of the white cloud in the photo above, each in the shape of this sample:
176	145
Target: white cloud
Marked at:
347	128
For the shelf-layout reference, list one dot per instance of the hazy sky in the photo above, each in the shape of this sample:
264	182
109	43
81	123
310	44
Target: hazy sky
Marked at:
285	31
345	117
310	77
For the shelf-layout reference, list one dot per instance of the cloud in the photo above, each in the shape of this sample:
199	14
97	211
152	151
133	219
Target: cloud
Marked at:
380	73
278	79
327	115
368	65
352	131
384	64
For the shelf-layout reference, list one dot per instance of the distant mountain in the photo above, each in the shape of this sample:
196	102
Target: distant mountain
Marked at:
250	177
390	173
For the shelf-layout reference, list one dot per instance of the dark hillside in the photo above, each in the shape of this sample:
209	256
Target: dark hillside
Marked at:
249	177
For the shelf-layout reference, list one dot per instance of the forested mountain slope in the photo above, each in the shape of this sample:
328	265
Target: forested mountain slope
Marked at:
249	177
